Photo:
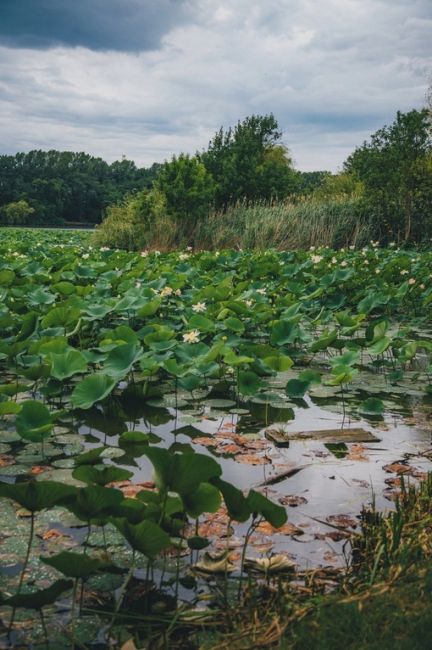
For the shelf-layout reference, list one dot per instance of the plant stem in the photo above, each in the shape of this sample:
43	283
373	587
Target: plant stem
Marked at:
24	568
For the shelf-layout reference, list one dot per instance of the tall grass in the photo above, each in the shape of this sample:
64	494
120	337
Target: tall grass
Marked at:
284	226
308	222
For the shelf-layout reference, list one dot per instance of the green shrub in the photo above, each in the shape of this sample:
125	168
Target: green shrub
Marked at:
133	223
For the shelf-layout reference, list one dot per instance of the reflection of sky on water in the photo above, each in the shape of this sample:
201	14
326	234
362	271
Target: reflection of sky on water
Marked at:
331	485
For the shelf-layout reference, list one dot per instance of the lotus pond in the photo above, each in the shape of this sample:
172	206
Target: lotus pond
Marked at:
176	429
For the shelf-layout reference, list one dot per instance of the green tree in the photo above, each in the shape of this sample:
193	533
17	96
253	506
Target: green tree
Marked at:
188	188
395	169
249	162
16	213
334	186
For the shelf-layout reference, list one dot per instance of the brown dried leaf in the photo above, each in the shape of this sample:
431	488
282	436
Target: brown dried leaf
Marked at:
343	521
252	459
287	529
39	469
292	500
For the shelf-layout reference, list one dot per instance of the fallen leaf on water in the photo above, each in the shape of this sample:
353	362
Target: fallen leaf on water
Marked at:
252	459
229	543
292	500
331	557
343	521
398	467
228	425
52	534
257	445
357	452
129	489
334	535
260	547
393	481
204	440
216	524
39	469
230	449
287	529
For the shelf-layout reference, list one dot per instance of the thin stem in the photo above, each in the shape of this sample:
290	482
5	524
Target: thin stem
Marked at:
74	595
243	556
24	568
44	627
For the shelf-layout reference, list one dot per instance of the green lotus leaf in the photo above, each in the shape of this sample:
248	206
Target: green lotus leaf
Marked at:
248	382
296	388
371	406
89	474
201	323
181	473
95	502
206	498
35	496
283	332
150	308
34	421
39	599
67	364
279	363
236	503
259	505
121	359
9	408
92	389
76	565
146	537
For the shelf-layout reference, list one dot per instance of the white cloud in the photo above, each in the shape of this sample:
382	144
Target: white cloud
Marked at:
331	72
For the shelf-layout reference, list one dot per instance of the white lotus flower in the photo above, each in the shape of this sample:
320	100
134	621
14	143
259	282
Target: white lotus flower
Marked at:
199	307
191	337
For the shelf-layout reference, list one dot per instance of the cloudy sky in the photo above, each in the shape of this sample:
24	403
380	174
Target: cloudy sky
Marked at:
150	78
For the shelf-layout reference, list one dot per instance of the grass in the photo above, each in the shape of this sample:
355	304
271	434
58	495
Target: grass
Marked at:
285	226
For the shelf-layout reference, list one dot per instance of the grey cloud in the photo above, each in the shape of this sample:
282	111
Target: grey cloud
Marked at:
332	73
122	25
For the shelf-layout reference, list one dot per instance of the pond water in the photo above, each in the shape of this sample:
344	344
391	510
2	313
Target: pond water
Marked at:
324	486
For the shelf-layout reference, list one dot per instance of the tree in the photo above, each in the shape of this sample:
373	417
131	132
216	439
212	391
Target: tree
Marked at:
189	189
249	162
16	213
395	169
67	186
339	186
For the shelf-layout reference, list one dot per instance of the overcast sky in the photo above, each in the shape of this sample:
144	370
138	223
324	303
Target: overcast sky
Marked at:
151	78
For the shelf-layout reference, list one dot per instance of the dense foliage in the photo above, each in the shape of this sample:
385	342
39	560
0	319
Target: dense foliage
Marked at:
385	191
395	169
90	335
60	186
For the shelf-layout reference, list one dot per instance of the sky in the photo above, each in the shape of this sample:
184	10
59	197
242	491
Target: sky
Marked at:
147	79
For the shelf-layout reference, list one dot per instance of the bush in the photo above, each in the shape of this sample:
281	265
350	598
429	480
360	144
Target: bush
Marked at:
133	223
16	213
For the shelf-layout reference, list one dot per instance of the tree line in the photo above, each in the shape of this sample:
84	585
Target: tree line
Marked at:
388	180
53	187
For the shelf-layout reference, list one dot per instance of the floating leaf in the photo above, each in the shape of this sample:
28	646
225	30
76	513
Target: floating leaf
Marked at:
34	422
371	406
41	598
92	389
